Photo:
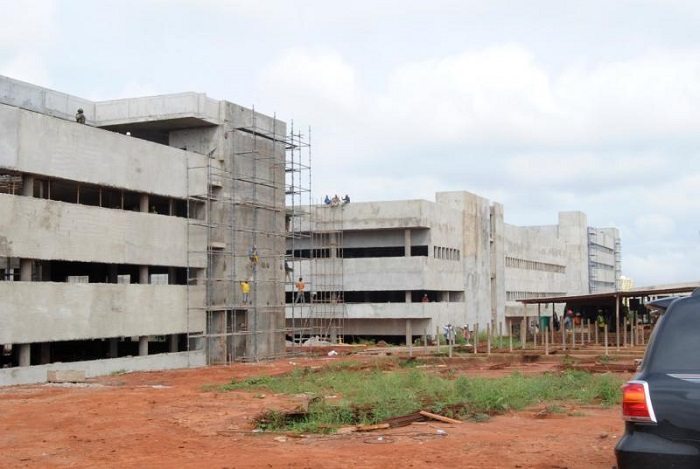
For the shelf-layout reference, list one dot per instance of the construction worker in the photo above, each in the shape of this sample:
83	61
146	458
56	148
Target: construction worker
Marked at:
80	116
300	291
600	321
288	271
245	292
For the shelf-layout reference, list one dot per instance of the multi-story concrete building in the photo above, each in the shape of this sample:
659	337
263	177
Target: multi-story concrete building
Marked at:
123	240
457	253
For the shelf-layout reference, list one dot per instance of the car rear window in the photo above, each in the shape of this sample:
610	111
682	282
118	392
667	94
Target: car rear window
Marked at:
677	341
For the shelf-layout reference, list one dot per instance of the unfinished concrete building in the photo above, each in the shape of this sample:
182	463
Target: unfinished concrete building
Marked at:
124	240
407	268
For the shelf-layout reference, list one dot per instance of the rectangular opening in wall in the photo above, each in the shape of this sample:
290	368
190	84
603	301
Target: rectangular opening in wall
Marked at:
111	198
419	251
64	191
132	201
89	195
159	205
10	183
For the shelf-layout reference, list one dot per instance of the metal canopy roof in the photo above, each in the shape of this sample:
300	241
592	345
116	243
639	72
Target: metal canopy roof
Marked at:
610	296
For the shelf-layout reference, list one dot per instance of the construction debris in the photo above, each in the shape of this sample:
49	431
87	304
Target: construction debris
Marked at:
439	418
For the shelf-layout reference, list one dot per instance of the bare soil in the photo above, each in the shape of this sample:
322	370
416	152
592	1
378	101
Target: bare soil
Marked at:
170	419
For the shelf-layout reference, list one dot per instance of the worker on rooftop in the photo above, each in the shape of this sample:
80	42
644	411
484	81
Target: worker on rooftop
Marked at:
80	116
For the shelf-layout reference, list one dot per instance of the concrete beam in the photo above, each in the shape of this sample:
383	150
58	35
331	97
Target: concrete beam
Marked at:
50	311
44	229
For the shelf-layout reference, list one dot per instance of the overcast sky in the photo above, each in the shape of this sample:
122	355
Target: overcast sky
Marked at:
544	106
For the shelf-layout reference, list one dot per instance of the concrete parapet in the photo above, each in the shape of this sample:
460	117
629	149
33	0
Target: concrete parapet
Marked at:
65	376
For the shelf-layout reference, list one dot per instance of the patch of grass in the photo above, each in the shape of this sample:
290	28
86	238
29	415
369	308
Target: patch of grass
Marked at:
372	394
605	359
555	409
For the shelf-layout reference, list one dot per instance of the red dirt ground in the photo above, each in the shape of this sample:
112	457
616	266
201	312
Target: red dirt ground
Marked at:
167	419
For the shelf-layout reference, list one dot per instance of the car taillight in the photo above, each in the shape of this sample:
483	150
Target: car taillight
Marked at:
636	402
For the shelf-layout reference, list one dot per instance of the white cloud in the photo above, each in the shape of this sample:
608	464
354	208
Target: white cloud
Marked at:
320	76
26	34
600	138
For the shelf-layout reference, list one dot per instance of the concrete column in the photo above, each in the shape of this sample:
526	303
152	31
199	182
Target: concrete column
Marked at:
25	270
171	275
173	339
143	274
45	356
409	334
407	242
408	296
27	185
143	345
143	203
113	348
617	322
25	354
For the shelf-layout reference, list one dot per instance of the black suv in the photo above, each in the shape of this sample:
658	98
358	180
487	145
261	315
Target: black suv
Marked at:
661	404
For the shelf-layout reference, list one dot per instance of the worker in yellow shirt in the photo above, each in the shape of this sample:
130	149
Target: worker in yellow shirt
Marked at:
245	291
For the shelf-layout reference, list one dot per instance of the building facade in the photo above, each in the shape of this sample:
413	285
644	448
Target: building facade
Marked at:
411	267
124	239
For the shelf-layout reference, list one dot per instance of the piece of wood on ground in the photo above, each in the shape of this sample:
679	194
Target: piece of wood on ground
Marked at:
439	418
403	420
346	430
371	428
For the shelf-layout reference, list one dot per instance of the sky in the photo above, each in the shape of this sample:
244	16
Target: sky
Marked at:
543	106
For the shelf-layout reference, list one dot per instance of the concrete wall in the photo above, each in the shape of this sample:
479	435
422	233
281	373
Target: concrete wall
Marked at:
37	99
476	251
163	107
50	230
50	311
383	215
93	368
401	273
573	231
39	144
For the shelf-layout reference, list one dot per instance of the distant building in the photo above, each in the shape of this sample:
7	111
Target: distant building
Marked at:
626	283
458	251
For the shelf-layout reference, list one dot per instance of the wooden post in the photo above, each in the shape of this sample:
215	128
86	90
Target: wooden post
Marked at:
617	323
450	342
563	335
605	337
510	334
546	341
551	331
596	334
488	338
534	337
624	332
476	337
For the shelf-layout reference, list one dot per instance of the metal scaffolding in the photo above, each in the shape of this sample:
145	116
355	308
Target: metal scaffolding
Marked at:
242	217
328	303
297	223
314	254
